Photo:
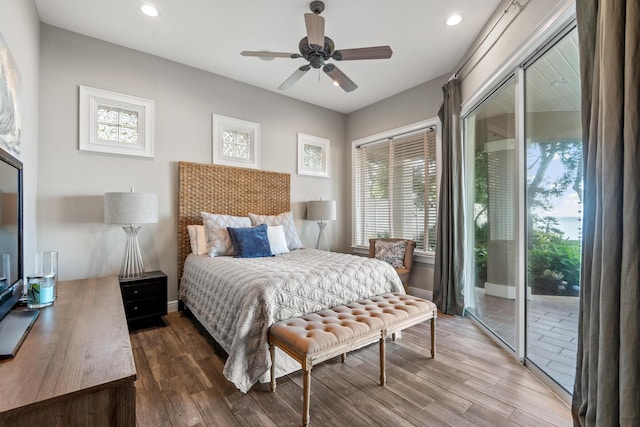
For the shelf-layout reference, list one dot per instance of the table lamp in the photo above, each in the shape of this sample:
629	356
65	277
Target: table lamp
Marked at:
131	208
321	210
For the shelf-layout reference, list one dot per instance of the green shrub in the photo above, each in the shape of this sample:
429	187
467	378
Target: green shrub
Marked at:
554	264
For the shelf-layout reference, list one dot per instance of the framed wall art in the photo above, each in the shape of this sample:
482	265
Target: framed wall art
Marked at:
236	142
10	122
115	123
313	155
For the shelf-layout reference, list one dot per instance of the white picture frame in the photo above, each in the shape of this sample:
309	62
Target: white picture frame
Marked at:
236	142
130	137
313	155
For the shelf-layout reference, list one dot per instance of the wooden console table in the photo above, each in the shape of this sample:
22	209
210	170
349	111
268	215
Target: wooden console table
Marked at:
75	367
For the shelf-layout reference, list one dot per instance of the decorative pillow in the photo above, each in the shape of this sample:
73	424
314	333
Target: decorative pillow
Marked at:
218	242
198	239
250	242
277	240
286	221
391	252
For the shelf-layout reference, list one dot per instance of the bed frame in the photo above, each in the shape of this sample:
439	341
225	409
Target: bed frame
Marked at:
226	190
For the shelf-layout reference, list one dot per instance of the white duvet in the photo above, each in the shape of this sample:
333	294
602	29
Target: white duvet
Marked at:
237	299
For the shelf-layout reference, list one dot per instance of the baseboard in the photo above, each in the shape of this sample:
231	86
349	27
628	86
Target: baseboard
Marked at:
422	293
500	291
172	306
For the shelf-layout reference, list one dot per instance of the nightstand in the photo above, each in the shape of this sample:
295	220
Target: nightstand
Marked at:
144	297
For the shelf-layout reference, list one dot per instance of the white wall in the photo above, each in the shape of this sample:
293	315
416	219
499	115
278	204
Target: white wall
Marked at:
20	29
72	183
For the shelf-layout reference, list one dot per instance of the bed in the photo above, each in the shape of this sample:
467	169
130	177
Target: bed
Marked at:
237	299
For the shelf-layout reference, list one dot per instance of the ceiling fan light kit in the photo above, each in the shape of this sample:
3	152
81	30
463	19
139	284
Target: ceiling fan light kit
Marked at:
318	48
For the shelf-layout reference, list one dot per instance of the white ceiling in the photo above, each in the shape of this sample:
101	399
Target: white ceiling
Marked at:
210	34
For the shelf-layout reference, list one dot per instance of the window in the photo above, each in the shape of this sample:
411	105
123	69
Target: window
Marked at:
313	155
236	142
115	123
396	189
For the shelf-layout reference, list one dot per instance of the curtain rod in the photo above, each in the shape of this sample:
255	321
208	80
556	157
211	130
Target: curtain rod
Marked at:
512	4
424	129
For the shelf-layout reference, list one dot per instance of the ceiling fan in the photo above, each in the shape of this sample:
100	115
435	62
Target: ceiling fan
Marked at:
318	48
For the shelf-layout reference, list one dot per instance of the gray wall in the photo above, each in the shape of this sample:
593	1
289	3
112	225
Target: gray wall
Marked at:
411	106
414	105
423	101
72	182
20	28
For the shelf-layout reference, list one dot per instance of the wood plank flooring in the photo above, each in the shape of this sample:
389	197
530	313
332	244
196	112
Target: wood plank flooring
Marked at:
471	382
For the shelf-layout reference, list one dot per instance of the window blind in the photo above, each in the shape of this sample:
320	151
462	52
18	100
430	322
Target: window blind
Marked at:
396	189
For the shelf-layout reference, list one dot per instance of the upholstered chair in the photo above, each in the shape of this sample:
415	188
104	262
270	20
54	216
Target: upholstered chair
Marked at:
401	262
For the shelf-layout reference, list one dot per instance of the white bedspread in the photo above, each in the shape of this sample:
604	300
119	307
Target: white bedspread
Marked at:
237	299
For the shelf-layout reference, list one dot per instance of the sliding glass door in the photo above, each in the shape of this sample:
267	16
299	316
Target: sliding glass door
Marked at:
526	238
554	208
492	129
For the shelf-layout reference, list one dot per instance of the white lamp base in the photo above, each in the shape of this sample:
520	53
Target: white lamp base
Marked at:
132	266
322	242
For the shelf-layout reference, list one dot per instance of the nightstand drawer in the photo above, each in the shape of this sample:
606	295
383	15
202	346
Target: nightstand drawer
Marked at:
142	290
145	307
144	297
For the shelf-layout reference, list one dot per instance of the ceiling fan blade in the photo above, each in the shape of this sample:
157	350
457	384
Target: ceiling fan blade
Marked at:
375	52
315	29
293	78
339	78
263	54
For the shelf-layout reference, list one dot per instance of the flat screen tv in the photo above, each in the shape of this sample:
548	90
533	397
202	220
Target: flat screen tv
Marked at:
14	324
11	267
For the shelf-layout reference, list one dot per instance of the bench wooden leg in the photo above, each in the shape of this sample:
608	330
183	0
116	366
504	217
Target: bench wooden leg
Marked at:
272	351
433	337
306	390
383	377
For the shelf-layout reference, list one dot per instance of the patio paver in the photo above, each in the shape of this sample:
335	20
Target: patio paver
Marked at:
553	330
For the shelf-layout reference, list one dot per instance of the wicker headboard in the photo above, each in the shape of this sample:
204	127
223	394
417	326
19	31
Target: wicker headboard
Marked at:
226	190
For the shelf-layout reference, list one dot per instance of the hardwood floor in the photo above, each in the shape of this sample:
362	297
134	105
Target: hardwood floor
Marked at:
471	382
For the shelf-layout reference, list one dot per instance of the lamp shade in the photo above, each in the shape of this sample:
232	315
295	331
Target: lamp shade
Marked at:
130	208
321	210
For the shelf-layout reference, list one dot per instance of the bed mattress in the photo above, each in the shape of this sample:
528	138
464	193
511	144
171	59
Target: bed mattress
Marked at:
237	299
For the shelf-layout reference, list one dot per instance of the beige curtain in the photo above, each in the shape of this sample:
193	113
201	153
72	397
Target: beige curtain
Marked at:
448	282
607	384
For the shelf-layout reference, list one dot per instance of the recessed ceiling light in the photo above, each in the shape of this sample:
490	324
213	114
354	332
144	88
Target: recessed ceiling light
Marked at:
149	10
453	20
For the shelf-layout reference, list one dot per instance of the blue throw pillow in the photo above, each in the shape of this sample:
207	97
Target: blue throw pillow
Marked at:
250	242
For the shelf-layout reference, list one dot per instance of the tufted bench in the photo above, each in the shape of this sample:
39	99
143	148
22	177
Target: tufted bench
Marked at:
319	336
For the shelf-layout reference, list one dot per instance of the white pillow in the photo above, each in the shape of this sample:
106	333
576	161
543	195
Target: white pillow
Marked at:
286	221
198	239
277	240
218	241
